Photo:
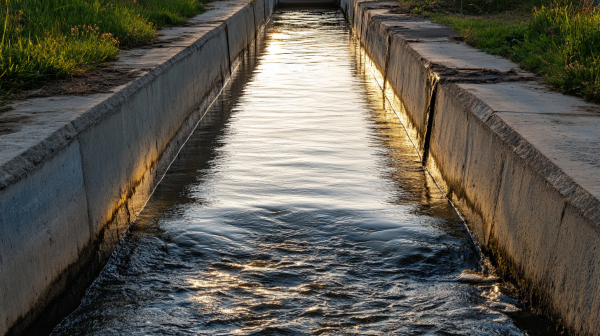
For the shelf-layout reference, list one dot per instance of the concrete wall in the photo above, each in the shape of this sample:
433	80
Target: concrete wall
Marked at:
528	200
67	200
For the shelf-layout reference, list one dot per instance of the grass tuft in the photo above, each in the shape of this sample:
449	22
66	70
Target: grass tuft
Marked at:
47	39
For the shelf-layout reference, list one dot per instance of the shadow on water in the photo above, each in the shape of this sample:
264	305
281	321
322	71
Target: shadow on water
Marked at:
298	206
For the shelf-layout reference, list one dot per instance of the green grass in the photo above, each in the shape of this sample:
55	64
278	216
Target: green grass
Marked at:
477	7
47	39
559	42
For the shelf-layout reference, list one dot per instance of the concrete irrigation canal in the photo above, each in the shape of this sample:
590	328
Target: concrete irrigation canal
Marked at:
334	170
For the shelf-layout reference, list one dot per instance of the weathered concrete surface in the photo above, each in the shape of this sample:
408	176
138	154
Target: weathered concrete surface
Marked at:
76	170
519	161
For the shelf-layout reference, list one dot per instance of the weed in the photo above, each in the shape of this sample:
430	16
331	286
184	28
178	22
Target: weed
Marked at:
418	11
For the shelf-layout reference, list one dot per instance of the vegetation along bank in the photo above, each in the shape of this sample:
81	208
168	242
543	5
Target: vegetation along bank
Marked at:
557	39
44	40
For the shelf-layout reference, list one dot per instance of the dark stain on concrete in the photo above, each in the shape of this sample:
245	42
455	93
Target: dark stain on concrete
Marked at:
478	75
11	123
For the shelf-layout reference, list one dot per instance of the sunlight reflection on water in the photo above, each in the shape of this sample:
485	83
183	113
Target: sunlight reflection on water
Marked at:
298	206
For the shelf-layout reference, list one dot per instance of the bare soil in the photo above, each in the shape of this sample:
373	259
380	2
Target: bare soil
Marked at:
101	80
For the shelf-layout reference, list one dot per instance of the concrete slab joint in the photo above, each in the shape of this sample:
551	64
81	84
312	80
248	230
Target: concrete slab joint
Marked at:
76	170
519	161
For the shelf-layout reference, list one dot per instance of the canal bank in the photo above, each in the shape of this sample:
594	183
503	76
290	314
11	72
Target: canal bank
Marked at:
520	162
76	170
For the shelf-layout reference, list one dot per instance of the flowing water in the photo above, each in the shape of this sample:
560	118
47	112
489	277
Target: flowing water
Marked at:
298	206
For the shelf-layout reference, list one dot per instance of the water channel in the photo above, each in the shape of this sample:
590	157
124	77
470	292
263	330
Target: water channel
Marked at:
298	206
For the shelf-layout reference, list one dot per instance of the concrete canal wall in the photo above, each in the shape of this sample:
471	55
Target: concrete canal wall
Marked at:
76	170
520	162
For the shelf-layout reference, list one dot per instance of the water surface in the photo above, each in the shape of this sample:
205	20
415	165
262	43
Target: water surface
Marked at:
298	206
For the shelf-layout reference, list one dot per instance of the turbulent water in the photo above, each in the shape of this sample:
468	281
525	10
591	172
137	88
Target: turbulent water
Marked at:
298	206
